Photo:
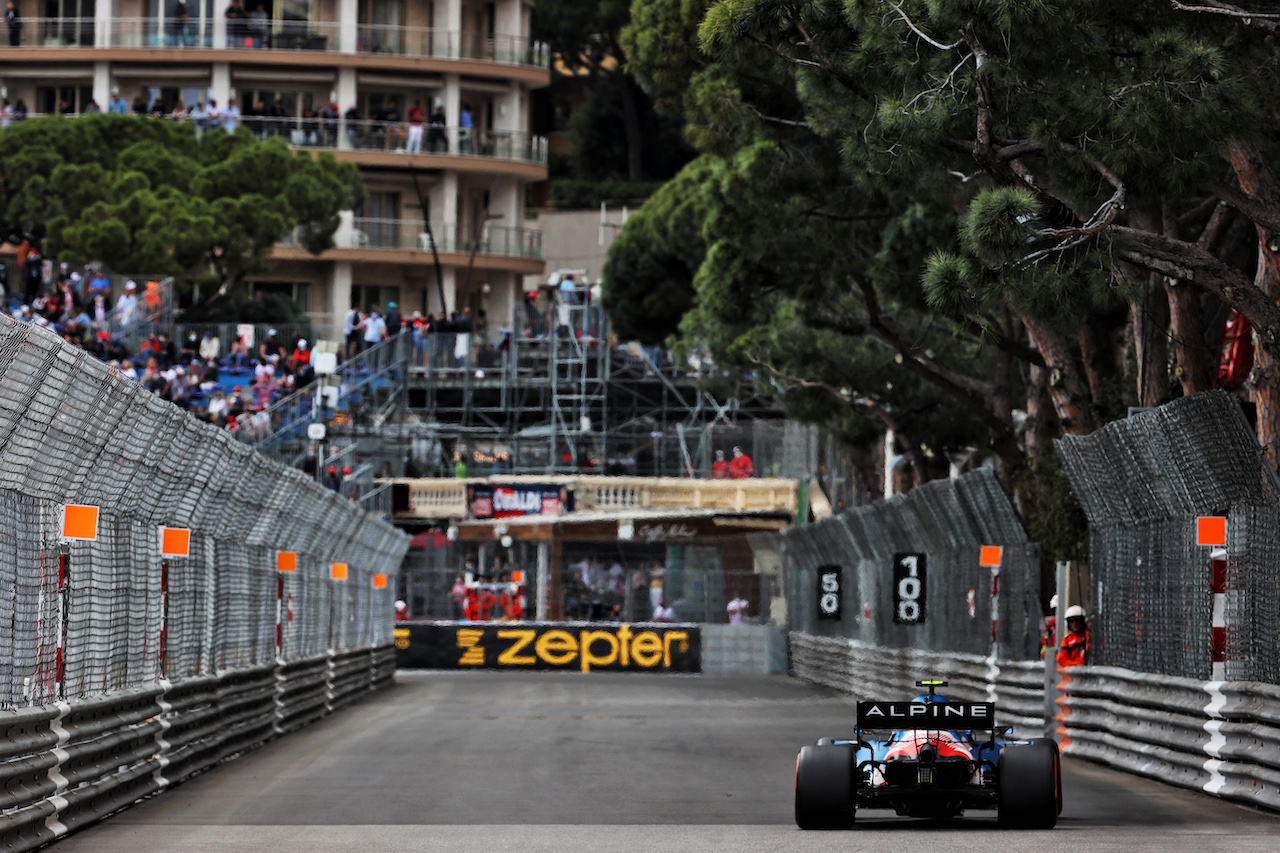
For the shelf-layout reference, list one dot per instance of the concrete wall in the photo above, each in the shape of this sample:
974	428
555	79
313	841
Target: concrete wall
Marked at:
743	649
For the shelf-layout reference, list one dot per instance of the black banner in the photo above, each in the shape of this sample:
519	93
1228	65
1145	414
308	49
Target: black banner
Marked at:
908	589
951	716
549	646
507	500
830	594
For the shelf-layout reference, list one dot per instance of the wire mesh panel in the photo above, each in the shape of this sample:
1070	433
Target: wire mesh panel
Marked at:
86	616
1142	483
941	526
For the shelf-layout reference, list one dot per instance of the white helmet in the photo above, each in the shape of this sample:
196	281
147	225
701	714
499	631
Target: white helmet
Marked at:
1075	610
400	605
1053	602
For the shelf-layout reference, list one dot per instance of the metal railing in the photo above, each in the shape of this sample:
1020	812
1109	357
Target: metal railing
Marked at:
265	34
318	131
411	235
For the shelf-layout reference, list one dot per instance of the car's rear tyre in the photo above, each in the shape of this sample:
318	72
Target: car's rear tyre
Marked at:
826	741
1028	789
1057	765
824	787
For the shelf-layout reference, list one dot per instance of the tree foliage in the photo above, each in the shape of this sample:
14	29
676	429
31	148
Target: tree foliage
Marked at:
996	207
149	195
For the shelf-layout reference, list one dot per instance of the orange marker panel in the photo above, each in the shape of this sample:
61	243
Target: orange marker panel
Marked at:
286	561
1211	530
175	542
338	572
379	581
80	522
517	576
990	555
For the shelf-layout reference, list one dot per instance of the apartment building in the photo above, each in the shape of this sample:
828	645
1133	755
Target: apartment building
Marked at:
339	76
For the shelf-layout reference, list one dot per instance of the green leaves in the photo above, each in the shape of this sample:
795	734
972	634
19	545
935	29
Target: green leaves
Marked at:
146	195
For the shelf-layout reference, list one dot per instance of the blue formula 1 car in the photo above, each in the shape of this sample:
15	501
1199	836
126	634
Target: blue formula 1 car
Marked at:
928	758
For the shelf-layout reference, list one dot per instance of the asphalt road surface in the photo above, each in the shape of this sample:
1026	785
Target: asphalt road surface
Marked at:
530	762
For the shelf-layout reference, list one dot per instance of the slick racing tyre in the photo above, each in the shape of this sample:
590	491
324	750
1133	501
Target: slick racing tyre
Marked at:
1027	795
824	787
1057	765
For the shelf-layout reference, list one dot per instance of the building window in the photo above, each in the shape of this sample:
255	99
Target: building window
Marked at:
297	292
369	295
66	100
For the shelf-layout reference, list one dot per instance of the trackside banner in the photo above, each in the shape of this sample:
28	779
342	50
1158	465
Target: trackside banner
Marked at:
584	647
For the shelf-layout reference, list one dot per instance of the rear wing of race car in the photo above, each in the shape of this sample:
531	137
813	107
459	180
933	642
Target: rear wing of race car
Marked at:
927	714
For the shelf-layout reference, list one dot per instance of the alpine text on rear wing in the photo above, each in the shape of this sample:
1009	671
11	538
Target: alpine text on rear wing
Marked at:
926	715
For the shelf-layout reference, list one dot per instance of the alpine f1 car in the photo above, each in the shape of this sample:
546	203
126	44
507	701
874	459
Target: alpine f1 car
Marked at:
929	757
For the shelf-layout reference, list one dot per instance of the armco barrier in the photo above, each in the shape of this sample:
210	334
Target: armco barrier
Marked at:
1017	687
743	649
1214	736
70	764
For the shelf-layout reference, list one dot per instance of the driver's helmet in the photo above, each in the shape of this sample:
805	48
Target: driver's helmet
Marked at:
934	698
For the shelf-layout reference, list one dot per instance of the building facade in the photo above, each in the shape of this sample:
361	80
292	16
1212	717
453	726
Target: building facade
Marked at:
339	76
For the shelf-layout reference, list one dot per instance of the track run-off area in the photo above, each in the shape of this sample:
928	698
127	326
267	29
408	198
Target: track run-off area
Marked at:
603	762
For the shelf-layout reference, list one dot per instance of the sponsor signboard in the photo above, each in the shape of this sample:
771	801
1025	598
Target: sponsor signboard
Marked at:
829	593
909	589
507	500
549	646
953	716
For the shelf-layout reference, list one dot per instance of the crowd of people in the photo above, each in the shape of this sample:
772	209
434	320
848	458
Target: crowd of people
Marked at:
188	373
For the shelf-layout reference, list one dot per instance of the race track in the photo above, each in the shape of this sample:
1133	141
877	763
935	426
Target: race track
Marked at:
490	761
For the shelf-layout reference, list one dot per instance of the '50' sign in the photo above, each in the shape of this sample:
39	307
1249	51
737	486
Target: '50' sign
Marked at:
829	592
908	588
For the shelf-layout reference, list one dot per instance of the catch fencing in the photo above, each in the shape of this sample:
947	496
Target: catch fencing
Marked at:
85	618
946	522
1142	483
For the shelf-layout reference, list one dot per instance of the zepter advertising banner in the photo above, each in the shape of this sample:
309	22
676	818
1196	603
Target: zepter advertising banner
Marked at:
550	646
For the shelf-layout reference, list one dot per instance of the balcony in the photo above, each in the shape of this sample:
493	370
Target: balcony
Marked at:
407	235
626	496
314	36
394	137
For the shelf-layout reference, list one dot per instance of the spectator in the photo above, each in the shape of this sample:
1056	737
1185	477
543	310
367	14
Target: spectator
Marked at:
210	346
737	608
212	115
270	346
417	116
464	129
374	328
179	111
117	105
740	468
14	21
395	133
402	612
720	468
351	332
437	138
355	125
6	113
1075	645
332	479
217	406
20	110
231	117
32	276
93	108
237	25
258	27
179	21
663	613
459	467
393	320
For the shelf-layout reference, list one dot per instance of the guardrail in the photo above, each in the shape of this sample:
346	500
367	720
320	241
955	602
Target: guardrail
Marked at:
447	498
67	765
1219	737
1017	687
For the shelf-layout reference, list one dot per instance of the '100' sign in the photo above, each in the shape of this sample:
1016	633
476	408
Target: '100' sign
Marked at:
908	588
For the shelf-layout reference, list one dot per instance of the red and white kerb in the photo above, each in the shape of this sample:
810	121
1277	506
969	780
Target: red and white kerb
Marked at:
1218	588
